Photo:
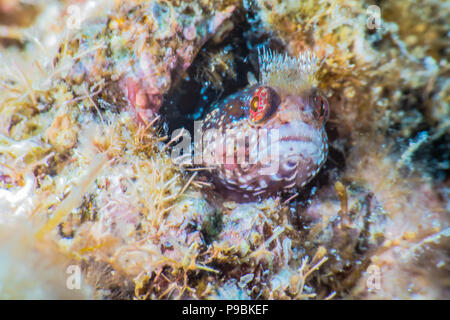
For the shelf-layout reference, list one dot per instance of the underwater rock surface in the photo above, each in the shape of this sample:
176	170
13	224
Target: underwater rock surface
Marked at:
91	93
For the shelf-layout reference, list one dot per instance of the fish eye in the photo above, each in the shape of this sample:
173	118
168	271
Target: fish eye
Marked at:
320	104
254	104
263	104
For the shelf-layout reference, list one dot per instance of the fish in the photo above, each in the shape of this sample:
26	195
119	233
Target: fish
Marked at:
270	136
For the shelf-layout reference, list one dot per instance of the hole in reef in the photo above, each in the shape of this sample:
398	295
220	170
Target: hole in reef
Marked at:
219	69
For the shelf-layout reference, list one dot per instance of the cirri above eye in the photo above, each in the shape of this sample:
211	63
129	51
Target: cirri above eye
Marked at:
320	104
263	104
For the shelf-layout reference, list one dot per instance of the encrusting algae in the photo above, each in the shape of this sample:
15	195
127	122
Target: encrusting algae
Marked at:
87	179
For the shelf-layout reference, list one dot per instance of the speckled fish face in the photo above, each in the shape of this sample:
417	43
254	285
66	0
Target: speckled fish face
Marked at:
294	126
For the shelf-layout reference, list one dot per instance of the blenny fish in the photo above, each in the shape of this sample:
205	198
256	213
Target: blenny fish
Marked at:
287	105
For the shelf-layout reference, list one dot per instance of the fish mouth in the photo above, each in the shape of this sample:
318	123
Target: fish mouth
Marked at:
292	143
297	131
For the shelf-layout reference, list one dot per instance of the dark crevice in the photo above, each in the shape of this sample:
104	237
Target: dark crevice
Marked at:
220	69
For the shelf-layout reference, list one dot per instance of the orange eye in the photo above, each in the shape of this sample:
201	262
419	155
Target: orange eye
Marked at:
320	104
254	104
262	104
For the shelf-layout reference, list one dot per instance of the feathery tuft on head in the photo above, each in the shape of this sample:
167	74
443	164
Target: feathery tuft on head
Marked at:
295	75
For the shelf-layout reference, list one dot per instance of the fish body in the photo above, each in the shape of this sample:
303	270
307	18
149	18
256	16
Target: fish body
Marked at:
270	136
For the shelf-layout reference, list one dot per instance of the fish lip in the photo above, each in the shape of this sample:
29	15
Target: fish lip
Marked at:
294	139
296	131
